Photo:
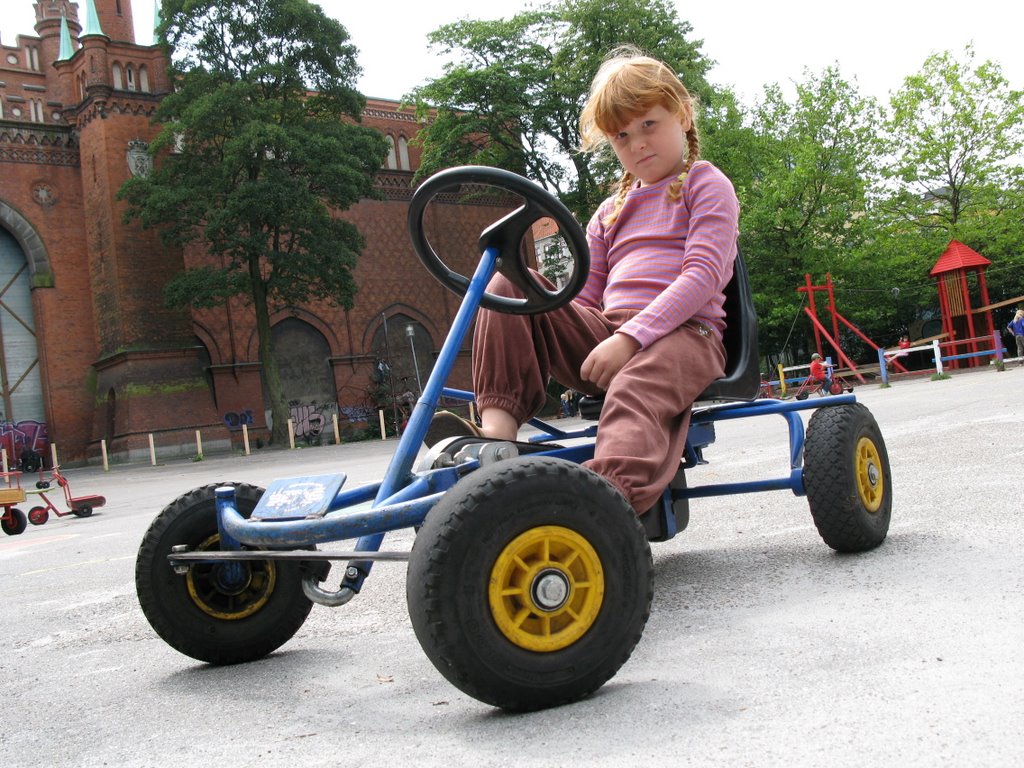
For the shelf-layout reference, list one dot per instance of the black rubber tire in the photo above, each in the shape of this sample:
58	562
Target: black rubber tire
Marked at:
14	523
83	511
847	478
38	515
177	613
460	547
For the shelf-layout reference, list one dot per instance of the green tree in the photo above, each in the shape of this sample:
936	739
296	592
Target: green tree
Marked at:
804	193
513	97
956	136
259	142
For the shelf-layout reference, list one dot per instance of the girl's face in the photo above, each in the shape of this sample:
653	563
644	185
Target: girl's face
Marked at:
652	146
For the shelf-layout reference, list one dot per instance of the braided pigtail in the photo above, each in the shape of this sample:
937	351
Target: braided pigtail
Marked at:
675	189
625	184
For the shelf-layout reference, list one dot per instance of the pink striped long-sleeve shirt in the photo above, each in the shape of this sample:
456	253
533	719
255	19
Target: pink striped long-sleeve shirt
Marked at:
671	259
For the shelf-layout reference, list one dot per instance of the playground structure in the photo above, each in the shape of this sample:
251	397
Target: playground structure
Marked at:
967	330
820	332
968	334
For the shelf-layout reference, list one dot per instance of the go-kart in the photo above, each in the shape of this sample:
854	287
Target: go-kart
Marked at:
529	581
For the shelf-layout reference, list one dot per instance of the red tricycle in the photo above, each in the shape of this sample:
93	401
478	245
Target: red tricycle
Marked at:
79	506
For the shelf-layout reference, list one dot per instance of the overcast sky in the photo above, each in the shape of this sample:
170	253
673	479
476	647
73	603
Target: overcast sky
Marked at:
754	42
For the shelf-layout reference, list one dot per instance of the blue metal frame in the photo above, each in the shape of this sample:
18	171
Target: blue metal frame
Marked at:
403	498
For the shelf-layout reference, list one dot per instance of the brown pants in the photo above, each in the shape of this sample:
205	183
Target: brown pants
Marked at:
646	413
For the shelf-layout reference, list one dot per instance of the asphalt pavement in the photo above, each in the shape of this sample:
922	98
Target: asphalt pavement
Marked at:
763	648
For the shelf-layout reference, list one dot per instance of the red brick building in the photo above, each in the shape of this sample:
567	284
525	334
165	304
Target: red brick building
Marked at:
91	353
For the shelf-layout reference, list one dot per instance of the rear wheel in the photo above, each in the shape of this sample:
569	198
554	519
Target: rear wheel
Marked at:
530	583
221	613
847	478
14	522
83	511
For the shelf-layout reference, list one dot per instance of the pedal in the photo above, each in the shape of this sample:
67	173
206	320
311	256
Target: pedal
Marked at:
455	451
487	453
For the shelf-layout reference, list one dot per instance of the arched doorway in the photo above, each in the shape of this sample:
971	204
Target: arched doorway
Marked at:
22	413
303	360
404	351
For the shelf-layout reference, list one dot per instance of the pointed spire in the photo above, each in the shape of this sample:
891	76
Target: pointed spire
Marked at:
92	21
67	50
156	21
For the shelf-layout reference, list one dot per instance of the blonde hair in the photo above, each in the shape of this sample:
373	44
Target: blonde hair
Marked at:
627	85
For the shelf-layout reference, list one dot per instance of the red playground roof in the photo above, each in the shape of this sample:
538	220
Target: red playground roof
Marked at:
958	256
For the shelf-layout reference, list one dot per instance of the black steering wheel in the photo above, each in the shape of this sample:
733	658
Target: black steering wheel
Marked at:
505	235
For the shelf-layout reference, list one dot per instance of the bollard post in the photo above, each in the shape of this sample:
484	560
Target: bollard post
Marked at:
291	433
199	444
782	379
337	432
53	454
383	430
998	347
245	438
938	356
3	453
882	367
472	411
103	451
152	450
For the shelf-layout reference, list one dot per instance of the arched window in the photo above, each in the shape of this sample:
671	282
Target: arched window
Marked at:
143	78
390	161
118	82
1	109
403	154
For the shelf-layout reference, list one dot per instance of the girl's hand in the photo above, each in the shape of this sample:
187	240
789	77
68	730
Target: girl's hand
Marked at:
607	359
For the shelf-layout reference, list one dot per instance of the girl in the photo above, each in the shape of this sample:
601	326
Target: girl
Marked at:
647	327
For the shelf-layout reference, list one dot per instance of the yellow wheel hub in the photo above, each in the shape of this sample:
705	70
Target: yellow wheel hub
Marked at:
870	481
230	590
546	588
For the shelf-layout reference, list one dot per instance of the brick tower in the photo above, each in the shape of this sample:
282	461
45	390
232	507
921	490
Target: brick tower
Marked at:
149	378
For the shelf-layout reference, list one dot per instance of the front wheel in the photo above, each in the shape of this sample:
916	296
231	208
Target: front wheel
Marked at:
221	613
847	478
38	515
530	583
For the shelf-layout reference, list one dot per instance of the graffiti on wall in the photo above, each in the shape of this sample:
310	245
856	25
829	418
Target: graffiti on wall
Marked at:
235	420
24	438
310	420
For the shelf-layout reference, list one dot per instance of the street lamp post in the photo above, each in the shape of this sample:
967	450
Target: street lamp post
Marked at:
410	331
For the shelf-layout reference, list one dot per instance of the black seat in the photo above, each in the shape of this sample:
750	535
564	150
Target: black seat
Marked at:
742	378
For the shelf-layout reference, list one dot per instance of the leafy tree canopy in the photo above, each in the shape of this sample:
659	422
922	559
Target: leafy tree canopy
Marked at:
956	143
513	97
